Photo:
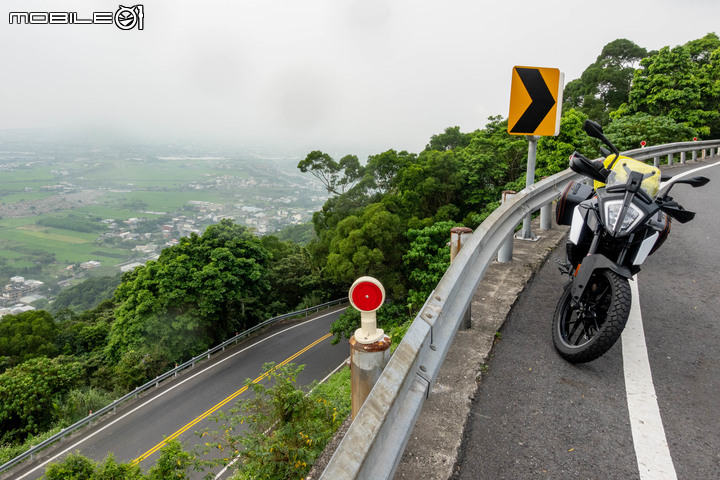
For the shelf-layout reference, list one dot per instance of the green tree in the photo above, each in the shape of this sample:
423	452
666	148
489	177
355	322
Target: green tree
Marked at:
195	295
174	462
450	139
679	83
627	132
367	244
434	181
701	50
335	176
605	84
300	234
86	295
384	167
139	365
291	274
28	392
426	260
27	335
491	160
86	332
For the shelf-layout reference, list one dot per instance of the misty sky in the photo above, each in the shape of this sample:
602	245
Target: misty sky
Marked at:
320	74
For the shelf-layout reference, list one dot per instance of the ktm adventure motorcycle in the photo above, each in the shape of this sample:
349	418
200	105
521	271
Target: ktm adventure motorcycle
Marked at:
614	226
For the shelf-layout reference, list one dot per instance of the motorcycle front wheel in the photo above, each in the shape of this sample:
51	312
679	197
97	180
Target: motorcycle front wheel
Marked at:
586	332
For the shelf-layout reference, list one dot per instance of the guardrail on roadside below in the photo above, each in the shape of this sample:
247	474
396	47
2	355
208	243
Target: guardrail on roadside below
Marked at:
375	441
156	382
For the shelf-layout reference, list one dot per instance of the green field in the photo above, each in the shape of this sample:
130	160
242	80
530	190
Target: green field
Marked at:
21	238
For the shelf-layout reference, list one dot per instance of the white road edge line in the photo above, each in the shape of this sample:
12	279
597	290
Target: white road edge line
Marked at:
651	447
689	172
76	444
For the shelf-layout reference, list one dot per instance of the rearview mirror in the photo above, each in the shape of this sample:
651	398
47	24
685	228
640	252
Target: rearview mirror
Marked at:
692	181
695	181
590	169
593	129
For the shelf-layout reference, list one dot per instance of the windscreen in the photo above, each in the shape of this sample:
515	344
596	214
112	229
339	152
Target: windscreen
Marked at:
622	168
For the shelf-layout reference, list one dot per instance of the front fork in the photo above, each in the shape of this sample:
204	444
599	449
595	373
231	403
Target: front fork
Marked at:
592	262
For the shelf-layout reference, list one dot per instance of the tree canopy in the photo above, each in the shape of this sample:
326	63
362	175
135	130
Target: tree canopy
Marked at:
26	335
605	84
194	295
680	83
335	176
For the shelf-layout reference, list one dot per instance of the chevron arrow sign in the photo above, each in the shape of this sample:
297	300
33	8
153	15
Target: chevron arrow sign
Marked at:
535	101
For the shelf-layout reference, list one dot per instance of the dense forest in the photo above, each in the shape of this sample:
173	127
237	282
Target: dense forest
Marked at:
388	217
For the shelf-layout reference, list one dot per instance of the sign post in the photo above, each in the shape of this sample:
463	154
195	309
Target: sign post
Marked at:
369	347
535	111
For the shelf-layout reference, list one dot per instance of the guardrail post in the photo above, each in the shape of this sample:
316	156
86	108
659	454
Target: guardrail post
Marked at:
369	347
683	155
546	217
506	250
656	162
367	362
694	156
458	235
670	159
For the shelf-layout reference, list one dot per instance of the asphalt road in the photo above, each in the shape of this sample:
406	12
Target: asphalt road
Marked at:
537	416
178	408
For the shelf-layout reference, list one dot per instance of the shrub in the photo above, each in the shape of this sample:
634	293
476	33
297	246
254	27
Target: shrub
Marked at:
28	392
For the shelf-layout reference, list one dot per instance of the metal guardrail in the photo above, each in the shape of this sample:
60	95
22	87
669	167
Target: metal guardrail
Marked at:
670	149
375	441
156	382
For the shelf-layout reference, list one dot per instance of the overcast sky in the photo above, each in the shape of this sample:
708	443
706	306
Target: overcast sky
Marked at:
326	74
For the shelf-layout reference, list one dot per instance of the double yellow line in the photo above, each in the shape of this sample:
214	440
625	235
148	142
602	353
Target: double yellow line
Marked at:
224	402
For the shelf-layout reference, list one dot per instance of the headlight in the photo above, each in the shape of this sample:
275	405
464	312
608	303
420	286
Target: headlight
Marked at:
632	216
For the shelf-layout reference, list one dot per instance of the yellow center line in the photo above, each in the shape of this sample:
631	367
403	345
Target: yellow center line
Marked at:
224	402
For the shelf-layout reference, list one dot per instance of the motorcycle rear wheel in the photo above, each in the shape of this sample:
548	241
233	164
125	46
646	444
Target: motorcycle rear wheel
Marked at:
585	333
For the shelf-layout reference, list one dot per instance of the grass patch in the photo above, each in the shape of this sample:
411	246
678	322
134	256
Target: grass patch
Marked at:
336	391
8	452
56	235
19	244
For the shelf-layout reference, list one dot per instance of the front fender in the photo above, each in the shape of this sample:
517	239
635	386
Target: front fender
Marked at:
589	265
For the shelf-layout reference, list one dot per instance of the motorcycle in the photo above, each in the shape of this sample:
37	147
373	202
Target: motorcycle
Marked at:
614	226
